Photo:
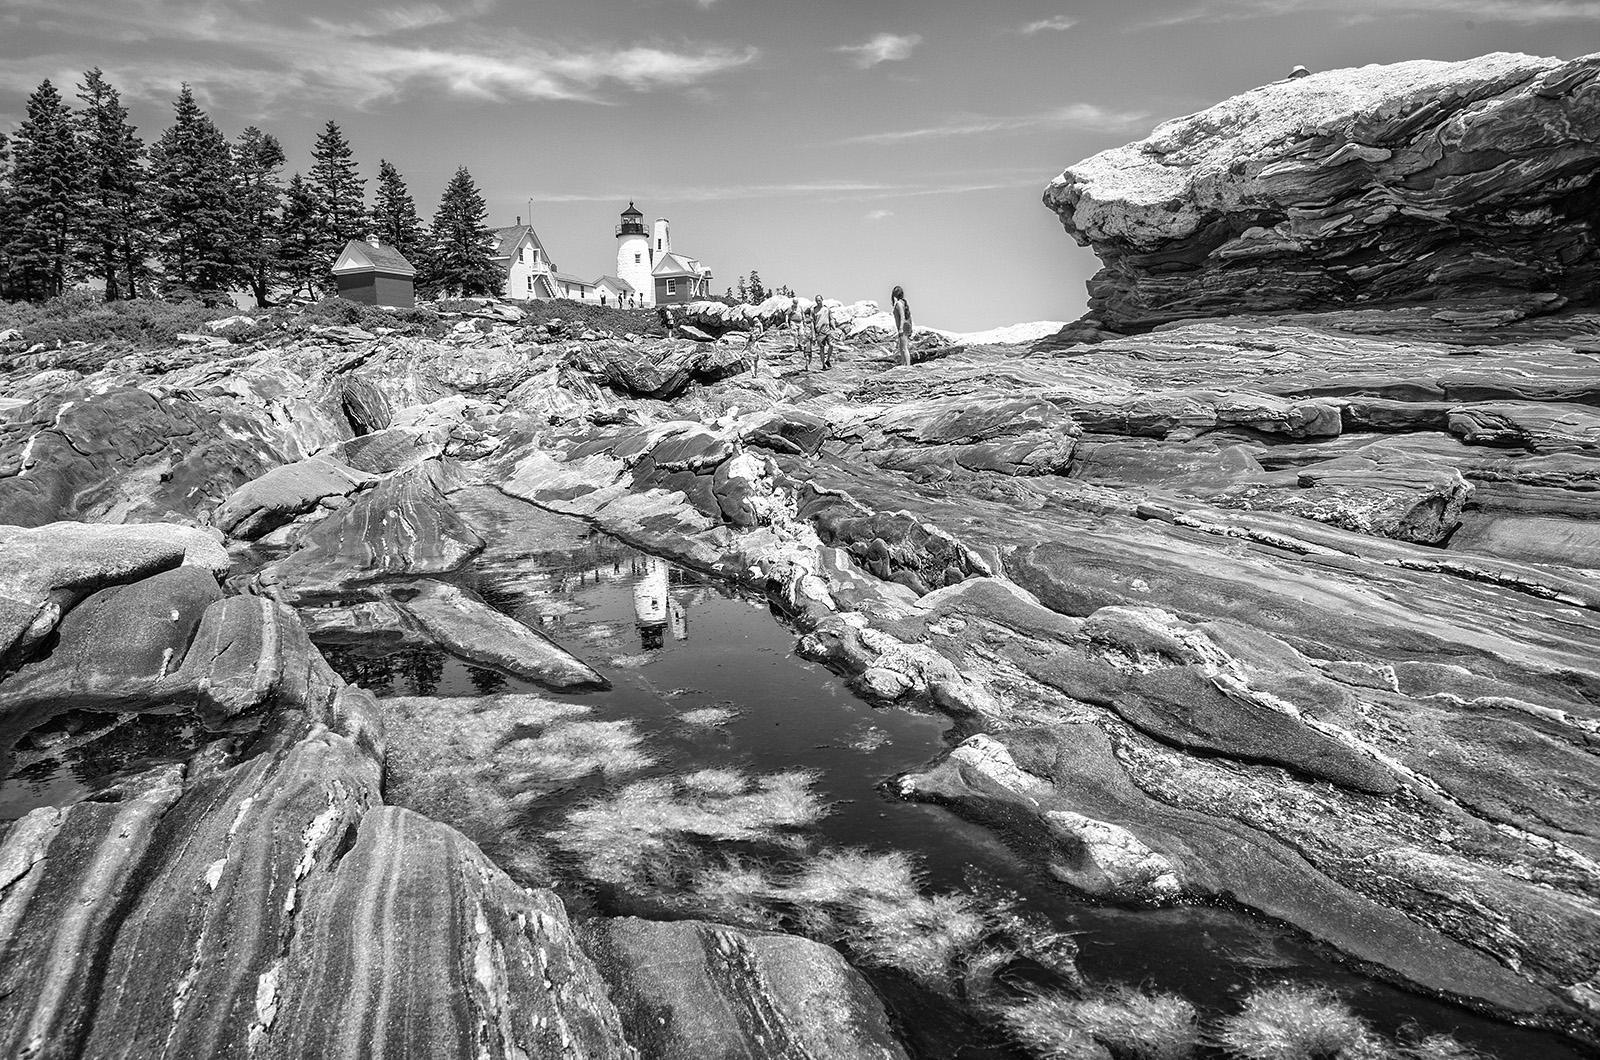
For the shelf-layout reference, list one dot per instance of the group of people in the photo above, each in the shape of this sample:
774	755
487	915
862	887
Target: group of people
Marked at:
628	301
816	328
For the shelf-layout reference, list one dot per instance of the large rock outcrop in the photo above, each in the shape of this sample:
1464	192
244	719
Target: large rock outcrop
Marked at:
1470	186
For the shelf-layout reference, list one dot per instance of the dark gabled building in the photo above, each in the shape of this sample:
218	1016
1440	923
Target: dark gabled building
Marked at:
375	275
679	278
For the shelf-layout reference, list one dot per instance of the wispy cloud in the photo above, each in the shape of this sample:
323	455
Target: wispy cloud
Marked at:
1520	12
1086	116
878	215
824	190
1044	25
255	53
885	47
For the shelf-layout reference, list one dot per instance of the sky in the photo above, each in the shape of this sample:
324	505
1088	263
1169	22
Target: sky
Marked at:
836	146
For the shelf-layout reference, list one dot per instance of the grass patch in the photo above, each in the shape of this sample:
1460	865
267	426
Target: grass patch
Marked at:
567	750
480	763
871	903
648	828
708	717
1440	1047
1047	1027
1123	1023
1286	1021
737	892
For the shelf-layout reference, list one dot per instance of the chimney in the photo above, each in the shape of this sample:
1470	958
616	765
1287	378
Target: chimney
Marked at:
373	240
519	219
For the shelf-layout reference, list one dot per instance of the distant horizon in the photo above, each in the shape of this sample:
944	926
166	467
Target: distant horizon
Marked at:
841	149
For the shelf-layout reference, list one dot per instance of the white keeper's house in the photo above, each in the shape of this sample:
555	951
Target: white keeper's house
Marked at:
649	271
530	274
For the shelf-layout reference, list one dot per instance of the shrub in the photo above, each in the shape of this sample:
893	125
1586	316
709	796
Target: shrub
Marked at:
592	315
83	316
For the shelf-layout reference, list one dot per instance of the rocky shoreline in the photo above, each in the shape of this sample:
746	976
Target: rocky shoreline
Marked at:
1294	614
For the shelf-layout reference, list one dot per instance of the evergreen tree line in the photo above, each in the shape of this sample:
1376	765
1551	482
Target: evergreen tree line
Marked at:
196	215
752	291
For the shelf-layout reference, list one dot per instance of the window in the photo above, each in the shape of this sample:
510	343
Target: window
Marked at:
672	286
636	259
658	244
522	254
530	283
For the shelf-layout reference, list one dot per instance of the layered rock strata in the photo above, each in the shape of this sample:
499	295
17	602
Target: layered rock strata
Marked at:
1468	189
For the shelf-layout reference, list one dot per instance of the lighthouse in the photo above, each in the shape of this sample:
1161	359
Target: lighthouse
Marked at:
635	254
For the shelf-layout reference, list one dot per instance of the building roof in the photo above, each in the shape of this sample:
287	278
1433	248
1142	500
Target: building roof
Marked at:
360	256
631	211
673	263
616	283
567	277
509	238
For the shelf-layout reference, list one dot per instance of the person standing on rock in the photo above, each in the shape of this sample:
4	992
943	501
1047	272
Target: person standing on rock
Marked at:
808	330
822	324
758	328
796	319
902	324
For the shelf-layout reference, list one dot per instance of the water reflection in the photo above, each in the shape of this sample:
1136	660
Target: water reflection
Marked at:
72	754
655	609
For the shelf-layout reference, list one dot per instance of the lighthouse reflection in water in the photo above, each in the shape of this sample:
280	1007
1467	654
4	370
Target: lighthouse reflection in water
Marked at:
654	609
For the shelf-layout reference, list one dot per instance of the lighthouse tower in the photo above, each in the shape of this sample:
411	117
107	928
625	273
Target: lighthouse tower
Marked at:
636	254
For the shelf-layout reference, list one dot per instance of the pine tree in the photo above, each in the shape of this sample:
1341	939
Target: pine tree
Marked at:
740	291
340	195
193	191
458	260
257	157
5	214
299	243
112	239
755	293
394	214
45	192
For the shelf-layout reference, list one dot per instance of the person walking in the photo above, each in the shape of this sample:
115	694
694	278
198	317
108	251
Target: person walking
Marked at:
902	324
